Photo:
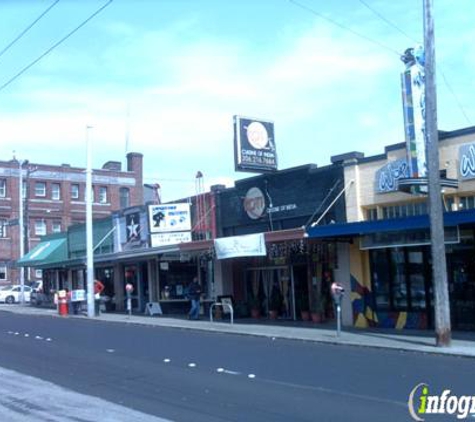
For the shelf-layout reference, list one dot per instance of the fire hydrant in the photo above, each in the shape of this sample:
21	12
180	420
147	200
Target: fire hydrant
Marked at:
62	303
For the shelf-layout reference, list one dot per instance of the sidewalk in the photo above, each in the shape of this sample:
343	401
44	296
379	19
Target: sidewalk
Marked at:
463	344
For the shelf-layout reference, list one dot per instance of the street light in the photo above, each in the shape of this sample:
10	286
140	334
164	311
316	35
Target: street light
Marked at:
89	251
21	227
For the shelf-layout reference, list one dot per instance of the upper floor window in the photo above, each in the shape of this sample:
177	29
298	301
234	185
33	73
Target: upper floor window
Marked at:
467	202
103	195
3	188
40	189
56	191
40	227
3	272
23	190
74	191
56	227
3	227
124	197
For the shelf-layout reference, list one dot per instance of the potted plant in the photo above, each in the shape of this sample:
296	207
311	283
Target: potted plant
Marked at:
275	303
255	307
303	308
318	304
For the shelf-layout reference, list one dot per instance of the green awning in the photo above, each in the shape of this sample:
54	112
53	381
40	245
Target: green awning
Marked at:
45	253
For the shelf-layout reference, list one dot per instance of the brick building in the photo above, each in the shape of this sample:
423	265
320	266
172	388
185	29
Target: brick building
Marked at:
54	199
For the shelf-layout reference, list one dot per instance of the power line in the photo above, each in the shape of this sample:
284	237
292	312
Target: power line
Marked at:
54	46
346	28
446	82
28	28
387	21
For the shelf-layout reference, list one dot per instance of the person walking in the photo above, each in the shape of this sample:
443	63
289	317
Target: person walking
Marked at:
194	294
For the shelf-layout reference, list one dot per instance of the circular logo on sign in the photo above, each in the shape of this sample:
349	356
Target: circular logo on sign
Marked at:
257	135
254	203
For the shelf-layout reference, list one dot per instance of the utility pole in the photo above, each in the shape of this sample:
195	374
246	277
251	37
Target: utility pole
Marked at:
439	264
89	251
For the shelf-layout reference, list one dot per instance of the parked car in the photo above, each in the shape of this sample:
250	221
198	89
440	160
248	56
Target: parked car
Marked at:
11	294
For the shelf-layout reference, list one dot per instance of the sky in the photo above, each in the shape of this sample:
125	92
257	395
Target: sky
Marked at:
165	78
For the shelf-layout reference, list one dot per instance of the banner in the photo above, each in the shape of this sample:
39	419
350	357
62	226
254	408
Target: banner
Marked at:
254	145
413	96
240	246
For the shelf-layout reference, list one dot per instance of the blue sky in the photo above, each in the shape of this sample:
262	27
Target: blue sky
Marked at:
172	73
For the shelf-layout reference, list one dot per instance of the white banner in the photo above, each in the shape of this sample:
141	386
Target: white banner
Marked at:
236	246
161	239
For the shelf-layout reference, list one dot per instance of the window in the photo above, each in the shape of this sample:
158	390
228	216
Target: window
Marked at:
92	194
38	273
40	227
467	202
56	191
3	227
124	196
103	195
3	188
23	190
372	214
74	191
3	272
56	227
40	189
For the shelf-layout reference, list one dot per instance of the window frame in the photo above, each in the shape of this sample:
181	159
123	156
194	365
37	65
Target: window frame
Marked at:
56	191
3	228
3	188
3	271
75	190
40	193
103	197
43	224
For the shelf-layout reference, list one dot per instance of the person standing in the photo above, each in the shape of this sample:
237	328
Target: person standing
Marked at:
194	294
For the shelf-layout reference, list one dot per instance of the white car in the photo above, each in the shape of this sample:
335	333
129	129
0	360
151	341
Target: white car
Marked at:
11	294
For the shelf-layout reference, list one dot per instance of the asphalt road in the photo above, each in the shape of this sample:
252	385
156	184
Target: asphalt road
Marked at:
184	375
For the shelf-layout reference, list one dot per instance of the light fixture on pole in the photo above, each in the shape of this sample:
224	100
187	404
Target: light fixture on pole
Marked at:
21	227
89	250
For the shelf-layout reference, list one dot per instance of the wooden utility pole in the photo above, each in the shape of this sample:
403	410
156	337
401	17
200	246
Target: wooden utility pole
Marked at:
439	264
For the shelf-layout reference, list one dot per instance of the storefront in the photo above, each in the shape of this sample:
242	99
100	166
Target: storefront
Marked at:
290	274
388	238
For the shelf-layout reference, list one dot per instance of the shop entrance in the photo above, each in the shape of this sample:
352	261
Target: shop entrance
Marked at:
461	278
269	290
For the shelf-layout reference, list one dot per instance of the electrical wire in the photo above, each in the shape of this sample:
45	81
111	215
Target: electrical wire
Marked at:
2	87
345	28
28	28
446	82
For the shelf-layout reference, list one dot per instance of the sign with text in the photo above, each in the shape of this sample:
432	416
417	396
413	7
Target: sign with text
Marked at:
254	145
169	218
172	238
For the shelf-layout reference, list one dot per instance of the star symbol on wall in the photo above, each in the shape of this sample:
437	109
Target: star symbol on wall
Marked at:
133	229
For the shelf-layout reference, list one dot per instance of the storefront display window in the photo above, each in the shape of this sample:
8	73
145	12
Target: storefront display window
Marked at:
399	277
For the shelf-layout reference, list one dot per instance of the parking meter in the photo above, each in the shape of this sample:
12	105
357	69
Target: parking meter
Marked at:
129	288
337	295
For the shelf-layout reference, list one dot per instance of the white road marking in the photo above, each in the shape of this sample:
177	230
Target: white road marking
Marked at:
39	338
220	370
251	376
167	360
192	365
110	350
27	335
48	339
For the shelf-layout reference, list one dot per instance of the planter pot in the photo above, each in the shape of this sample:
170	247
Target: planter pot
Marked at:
255	313
305	315
317	317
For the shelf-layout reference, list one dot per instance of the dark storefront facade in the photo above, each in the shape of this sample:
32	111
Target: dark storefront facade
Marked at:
293	274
